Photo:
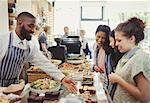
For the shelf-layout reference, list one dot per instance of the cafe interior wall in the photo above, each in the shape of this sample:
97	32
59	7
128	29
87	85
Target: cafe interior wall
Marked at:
39	8
119	11
68	13
4	17
114	11
43	11
23	5
36	7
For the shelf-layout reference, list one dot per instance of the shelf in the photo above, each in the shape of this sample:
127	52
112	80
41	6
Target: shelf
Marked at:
12	14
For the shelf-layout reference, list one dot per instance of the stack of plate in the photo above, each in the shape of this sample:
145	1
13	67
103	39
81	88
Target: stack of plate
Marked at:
56	62
75	61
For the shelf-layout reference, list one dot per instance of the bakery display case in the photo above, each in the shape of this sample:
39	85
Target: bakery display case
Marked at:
89	85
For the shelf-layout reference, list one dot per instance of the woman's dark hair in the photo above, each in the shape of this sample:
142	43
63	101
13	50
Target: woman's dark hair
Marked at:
106	30
112	34
132	27
103	28
115	54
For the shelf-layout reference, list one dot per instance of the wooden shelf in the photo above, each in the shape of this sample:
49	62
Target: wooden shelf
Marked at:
11	1
12	15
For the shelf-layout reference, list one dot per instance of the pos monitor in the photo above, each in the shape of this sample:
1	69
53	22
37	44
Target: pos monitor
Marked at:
73	45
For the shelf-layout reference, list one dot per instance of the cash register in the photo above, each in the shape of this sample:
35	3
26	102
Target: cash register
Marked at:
73	45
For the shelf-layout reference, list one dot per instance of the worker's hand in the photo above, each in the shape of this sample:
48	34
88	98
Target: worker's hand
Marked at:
69	84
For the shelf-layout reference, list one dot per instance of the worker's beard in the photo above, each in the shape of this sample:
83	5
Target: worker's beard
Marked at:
25	34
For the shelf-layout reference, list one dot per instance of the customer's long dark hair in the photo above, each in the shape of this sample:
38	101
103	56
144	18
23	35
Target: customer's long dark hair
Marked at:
115	54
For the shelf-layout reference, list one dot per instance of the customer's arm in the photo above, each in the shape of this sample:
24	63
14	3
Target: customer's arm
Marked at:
142	89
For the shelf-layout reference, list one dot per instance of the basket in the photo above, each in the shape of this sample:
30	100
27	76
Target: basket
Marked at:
37	75
34	74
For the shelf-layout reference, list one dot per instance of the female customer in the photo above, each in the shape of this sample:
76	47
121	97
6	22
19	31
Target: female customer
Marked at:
101	55
115	56
133	70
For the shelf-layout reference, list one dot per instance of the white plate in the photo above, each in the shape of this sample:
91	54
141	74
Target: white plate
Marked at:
56	62
75	61
74	55
71	100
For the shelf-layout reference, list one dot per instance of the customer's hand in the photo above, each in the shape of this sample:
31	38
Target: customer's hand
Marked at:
114	78
69	84
97	69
